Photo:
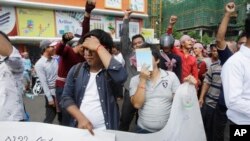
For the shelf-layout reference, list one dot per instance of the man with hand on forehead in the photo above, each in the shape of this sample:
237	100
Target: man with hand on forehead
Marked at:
88	97
70	56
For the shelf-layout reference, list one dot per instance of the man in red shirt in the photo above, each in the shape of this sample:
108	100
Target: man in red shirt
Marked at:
189	66
70	56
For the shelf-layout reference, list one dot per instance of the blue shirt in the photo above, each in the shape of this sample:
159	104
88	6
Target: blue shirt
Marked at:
27	64
74	89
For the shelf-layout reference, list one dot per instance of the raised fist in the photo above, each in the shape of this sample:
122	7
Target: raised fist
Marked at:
173	20
90	5
127	13
67	37
230	7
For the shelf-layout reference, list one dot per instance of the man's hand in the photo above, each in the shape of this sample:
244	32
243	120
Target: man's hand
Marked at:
145	73
172	20
86	124
201	102
51	103
67	37
90	5
91	43
127	13
230	8
190	79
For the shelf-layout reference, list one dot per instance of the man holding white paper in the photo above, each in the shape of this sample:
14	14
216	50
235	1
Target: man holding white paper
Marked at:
152	94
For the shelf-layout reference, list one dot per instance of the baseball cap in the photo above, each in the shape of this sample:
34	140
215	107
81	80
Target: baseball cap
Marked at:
47	43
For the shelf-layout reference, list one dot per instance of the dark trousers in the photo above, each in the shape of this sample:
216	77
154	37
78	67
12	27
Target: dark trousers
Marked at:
128	112
220	121
50	112
62	115
207	117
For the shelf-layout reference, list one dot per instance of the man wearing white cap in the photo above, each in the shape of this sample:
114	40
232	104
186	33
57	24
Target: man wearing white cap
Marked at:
189	67
46	69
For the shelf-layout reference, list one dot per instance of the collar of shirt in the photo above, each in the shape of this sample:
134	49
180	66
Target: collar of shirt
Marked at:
87	67
245	51
46	59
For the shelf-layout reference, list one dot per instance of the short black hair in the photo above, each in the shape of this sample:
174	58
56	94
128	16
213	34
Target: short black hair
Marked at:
243	34
104	38
5	35
247	26
117	46
212	46
138	36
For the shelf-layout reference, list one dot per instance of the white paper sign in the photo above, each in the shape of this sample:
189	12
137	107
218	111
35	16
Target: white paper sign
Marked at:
144	57
34	131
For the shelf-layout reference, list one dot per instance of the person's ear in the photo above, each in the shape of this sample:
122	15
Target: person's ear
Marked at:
158	61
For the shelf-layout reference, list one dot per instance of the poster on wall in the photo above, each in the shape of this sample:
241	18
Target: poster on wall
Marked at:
68	22
8	20
113	4
134	28
106	23
148	34
35	22
137	5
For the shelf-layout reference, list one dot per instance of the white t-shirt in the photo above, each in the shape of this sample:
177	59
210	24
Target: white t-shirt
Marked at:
91	105
119	58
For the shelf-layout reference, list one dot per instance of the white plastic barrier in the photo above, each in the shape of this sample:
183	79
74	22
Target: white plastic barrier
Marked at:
185	124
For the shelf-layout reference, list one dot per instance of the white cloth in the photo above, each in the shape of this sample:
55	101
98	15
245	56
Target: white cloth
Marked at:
46	70
119	58
91	105
11	101
185	122
236	85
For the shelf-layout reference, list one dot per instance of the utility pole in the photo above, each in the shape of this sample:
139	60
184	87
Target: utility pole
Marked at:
156	16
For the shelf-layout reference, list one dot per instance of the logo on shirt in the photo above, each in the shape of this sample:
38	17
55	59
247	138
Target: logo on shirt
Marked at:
164	83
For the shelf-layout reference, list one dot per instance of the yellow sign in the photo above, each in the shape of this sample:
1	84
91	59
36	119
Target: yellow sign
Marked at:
148	34
35	22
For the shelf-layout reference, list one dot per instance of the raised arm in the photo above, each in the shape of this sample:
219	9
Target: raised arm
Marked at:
172	21
220	37
5	45
125	41
90	5
61	46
